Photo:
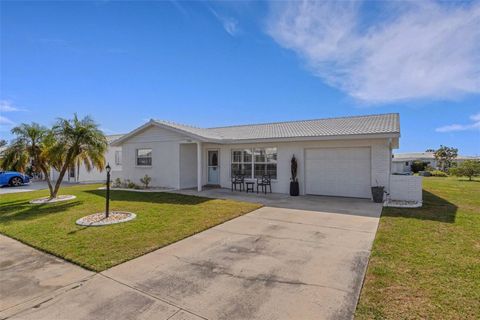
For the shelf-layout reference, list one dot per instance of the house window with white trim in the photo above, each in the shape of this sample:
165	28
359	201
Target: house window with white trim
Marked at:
118	158
263	161
144	157
242	162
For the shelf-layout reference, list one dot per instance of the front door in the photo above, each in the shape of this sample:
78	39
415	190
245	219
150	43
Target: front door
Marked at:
213	168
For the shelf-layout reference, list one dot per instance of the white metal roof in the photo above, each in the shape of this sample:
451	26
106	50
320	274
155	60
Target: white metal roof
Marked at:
355	125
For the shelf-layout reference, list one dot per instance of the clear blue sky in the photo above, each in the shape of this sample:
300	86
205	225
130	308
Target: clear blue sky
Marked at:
213	64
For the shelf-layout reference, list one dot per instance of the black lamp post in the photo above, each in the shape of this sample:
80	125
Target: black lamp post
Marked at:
107	205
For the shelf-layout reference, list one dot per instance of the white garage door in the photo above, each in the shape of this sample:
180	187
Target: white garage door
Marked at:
341	172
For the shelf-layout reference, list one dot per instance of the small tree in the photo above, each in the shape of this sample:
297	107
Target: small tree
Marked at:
31	146
146	180
418	165
430	150
444	156
68	143
468	168
78	141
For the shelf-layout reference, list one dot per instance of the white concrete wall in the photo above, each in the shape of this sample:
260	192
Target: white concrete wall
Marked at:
95	175
407	188
380	160
188	165
399	167
165	168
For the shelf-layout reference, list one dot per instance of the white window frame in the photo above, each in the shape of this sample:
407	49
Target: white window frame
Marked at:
137	157
242	160
252	161
118	157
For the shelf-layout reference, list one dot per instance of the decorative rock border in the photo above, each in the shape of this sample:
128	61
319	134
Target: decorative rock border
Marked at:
57	199
98	219
402	204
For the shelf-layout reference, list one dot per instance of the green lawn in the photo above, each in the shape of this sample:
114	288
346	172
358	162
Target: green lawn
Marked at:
162	218
425	262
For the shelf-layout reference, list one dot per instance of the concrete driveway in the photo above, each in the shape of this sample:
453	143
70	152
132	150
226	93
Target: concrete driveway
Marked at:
32	186
273	263
25	188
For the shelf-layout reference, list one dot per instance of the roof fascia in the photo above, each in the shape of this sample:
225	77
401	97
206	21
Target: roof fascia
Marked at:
316	138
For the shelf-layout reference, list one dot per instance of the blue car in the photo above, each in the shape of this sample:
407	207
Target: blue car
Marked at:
13	178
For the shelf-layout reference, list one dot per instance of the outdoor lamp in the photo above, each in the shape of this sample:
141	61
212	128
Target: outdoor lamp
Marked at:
107	203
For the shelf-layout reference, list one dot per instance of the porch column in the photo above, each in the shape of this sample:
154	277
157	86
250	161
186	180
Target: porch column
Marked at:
199	166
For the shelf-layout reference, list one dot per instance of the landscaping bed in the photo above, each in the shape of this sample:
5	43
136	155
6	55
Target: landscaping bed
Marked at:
161	218
425	262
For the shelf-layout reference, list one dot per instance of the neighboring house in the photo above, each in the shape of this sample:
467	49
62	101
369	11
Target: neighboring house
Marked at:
80	174
401	162
336	157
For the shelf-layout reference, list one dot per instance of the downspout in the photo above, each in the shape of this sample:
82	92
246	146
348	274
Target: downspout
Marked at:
390	165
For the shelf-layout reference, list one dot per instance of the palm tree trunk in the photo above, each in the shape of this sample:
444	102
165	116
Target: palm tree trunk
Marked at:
59	181
47	178
64	169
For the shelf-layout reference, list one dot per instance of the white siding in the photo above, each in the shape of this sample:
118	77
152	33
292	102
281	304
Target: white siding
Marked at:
95	175
188	165
165	168
407	188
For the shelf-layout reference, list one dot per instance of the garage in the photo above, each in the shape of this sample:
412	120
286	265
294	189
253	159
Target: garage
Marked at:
344	172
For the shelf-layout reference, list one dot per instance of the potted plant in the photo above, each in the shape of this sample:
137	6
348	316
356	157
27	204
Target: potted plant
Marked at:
294	187
377	193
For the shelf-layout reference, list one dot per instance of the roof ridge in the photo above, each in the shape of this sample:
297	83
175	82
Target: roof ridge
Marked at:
177	124
304	120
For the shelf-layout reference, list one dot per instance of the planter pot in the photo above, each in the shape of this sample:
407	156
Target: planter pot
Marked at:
294	188
377	194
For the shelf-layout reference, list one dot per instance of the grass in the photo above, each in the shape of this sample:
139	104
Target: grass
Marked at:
425	262
162	218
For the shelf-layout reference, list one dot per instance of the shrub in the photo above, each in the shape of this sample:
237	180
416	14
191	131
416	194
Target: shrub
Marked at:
130	184
146	180
438	173
418	165
117	183
469	168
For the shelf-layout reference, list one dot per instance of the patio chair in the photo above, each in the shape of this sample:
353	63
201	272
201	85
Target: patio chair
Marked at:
238	180
264	182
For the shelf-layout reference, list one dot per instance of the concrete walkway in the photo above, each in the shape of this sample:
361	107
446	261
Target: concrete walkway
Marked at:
273	263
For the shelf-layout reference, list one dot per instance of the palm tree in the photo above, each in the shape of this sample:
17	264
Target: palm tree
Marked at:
31	144
15	158
78	141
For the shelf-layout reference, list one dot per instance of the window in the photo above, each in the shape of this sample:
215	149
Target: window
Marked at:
406	163
263	161
71	172
242	162
144	157
118	158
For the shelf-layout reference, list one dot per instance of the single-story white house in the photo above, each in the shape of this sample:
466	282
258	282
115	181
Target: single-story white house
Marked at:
401	162
336	157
